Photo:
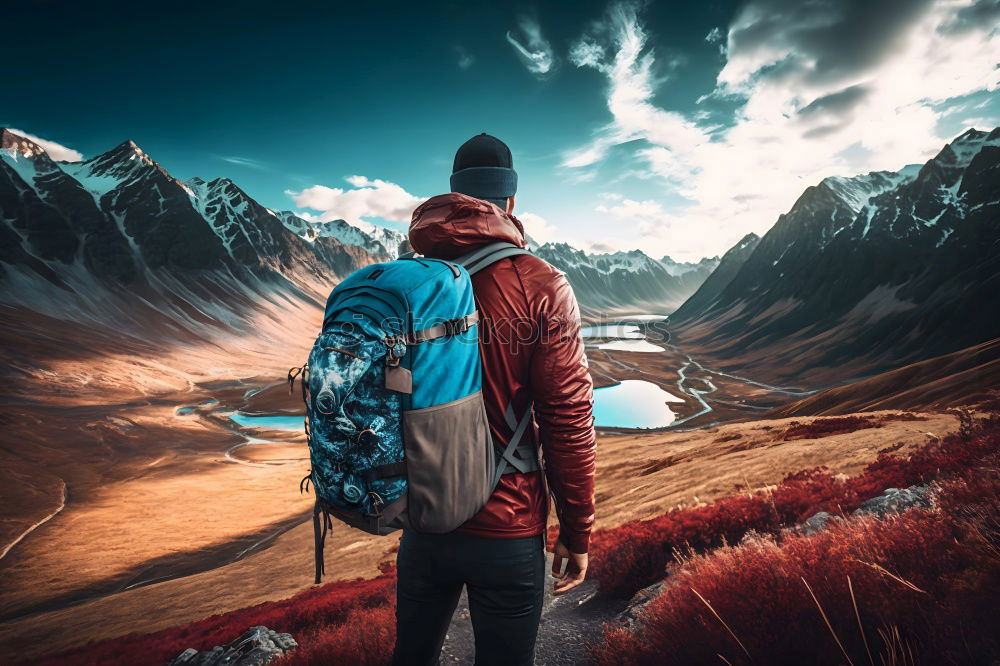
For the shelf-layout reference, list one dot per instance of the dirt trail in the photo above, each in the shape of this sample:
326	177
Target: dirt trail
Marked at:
34	526
570	623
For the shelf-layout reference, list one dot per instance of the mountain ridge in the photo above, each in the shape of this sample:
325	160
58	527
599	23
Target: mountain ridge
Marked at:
627	282
831	293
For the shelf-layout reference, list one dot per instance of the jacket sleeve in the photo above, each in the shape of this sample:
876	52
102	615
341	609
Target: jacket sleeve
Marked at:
563	394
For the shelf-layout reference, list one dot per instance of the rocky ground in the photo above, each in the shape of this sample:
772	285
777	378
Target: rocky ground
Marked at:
569	623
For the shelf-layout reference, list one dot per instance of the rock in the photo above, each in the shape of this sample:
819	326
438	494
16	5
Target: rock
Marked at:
256	647
894	500
816	523
632	613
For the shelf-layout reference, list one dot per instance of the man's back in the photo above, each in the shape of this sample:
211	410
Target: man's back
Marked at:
533	358
534	372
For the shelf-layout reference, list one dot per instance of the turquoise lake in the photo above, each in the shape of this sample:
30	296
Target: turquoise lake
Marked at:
631	404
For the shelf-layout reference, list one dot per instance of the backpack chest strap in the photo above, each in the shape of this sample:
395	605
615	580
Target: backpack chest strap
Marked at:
450	327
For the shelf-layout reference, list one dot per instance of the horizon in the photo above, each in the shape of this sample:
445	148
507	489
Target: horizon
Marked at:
663	126
46	145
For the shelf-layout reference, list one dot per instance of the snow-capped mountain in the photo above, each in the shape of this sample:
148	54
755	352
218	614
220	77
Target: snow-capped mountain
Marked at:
725	270
863	274
381	241
678	268
625	282
120	221
117	233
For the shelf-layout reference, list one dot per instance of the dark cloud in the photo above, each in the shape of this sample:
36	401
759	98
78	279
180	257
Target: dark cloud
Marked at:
821	131
840	103
829	40
979	14
601	248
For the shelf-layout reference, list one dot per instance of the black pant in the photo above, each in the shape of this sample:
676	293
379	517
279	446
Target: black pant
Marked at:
506	584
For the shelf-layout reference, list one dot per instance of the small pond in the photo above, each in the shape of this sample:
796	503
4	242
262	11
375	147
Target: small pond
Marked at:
630	345
633	404
291	423
620	331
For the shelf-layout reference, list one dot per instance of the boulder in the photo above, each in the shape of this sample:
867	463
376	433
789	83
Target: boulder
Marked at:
815	523
256	647
631	616
894	500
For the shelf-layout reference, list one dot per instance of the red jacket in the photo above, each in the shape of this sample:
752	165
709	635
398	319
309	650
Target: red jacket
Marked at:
532	353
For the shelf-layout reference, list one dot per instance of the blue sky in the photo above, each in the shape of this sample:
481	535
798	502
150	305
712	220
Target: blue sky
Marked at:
670	127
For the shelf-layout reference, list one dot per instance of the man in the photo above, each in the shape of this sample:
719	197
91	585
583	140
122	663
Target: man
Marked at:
533	359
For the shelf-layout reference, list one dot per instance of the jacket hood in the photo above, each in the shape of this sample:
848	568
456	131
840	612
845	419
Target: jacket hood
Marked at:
450	225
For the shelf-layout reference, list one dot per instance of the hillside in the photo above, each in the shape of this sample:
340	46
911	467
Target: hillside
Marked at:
863	275
965	376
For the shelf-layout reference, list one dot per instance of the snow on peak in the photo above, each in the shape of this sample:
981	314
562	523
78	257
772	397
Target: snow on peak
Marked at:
678	268
16	145
633	261
857	191
381	240
959	153
25	157
124	164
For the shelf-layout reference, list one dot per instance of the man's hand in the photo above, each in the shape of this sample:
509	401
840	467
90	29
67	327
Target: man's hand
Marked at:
576	568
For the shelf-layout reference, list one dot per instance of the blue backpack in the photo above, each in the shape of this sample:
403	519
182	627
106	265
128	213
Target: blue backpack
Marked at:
397	429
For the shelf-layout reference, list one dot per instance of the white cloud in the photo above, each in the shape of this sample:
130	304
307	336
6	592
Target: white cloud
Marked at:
537	227
716	37
851	87
536	53
369	198
645	212
246	162
56	151
630	91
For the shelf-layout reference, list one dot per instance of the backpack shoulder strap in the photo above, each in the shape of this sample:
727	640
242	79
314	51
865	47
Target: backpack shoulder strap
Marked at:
489	254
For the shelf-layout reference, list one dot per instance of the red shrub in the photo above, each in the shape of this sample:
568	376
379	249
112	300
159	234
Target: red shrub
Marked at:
833	425
635	554
365	638
755	587
923	573
328	612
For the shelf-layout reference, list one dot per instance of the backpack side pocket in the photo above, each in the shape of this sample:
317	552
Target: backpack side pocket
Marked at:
450	463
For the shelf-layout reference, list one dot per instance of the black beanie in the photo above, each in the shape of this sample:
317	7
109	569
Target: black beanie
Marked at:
484	169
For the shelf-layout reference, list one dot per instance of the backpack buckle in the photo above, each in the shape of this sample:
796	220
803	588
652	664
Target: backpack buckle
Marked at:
456	326
391	359
377	502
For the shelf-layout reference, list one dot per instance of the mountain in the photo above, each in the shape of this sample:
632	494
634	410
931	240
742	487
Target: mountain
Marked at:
678	268
963	377
619	283
120	222
723	274
116	237
862	275
380	241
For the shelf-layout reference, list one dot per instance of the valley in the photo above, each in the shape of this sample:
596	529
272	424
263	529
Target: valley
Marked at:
205	534
197	479
152	452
